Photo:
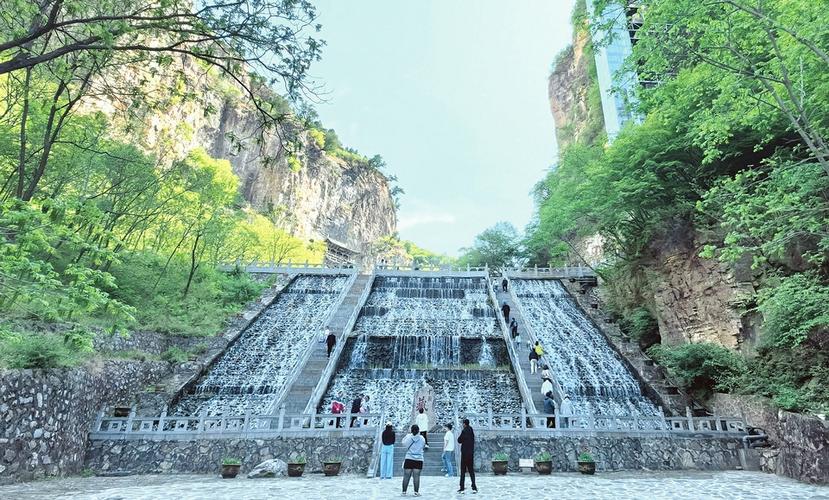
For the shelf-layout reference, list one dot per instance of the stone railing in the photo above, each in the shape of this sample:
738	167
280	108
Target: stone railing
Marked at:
181	428
513	354
325	377
431	271
303	360
602	424
550	272
289	267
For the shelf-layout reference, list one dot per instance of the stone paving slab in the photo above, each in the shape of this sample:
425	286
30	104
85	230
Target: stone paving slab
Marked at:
732	485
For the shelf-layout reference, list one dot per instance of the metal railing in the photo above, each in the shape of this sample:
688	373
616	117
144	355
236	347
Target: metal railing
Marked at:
169	427
328	372
550	272
312	345
523	388
289	267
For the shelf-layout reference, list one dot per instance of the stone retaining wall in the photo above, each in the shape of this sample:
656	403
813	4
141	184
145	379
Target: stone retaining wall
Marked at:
45	415
614	452
205	456
801	442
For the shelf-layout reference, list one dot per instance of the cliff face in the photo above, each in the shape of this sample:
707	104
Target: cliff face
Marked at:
326	197
570	89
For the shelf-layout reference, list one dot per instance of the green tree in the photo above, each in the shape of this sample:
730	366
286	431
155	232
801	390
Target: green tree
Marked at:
497	247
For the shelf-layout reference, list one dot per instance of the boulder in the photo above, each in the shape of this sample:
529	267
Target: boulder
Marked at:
269	468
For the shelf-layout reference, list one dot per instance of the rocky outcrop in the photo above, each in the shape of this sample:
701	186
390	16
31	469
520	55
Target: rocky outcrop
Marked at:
569	88
801	442
321	197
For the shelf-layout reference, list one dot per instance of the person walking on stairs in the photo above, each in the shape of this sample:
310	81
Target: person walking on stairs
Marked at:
387	452
422	421
467	442
538	349
505	310
504	284
355	409
449	451
533	361
330	341
565	411
413	461
513	328
550	409
546	386
545	372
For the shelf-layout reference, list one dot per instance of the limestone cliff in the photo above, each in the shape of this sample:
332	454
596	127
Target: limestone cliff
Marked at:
186	106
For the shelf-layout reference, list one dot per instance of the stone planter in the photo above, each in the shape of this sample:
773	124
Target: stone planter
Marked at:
230	471
544	468
331	468
295	470
587	467
499	467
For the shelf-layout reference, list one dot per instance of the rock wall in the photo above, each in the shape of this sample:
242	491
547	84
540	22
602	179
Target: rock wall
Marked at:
46	414
326	197
801	443
205	456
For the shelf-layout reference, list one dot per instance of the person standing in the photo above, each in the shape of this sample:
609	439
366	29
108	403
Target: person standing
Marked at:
538	349
467	442
355	409
413	461
449	451
566	410
550	409
364	410
504	284
513	326
505	311
337	407
517	341
533	361
422	421
330	341
387	452
545	372
546	386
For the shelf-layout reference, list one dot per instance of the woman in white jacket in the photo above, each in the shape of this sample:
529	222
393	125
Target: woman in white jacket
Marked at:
422	421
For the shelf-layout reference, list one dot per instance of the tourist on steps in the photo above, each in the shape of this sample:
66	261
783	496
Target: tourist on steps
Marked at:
422	421
413	461
550	409
364	411
513	327
546	386
504	284
337	407
355	409
387	452
467	442
538	349
449	451
331	341
545	372
517	338
565	411
533	361
505	310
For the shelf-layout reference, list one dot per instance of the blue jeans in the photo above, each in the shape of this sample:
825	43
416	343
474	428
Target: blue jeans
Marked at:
449	462
386	461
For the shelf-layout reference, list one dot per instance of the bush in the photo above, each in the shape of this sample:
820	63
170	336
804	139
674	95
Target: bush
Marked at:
175	355
795	308
700	368
31	350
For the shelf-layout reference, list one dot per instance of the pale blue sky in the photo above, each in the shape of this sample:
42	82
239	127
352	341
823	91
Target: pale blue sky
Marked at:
453	95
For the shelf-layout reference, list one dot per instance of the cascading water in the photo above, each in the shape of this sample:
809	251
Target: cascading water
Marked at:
582	362
440	330
254	369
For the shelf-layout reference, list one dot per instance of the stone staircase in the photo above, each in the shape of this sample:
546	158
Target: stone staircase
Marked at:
533	379
297	397
432	462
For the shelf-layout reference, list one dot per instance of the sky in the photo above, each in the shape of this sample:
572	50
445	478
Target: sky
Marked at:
453	95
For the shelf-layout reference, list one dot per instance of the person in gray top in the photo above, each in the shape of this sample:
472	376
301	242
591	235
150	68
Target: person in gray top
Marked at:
413	462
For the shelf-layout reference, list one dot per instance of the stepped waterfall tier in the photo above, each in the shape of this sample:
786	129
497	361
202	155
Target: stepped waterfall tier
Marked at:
581	360
442	331
255	368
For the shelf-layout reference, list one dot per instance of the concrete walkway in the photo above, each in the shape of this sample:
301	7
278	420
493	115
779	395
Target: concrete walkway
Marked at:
692	485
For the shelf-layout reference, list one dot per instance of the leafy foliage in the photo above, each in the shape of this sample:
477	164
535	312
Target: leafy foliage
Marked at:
700	368
497	247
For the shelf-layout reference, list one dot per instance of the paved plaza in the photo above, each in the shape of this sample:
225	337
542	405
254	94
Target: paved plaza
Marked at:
732	485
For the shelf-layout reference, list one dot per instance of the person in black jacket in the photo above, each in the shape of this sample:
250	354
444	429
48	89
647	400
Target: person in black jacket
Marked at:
505	310
387	452
330	341
467	442
355	409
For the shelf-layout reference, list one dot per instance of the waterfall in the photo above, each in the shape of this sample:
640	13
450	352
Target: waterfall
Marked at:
486	358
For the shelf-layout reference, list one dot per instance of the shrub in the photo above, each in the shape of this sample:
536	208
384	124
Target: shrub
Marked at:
585	457
300	459
792	310
500	457
175	355
700	368
30	350
544	456
231	461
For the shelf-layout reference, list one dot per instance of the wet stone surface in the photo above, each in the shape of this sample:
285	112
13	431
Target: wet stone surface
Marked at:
618	485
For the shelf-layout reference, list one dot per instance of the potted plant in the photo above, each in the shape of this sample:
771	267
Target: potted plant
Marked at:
230	467
499	463
296	466
586	463
544	463
331	466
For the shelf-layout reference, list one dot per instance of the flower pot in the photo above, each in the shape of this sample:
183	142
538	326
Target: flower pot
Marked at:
230	471
295	470
544	468
587	467
331	468
499	467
